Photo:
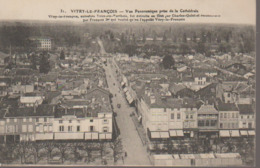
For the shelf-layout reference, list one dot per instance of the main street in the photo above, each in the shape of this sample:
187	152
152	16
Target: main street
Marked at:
136	152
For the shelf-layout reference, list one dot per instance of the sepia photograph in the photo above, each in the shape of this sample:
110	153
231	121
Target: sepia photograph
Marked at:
128	83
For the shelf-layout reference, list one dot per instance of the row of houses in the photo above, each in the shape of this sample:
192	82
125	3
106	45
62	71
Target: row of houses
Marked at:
76	119
205	107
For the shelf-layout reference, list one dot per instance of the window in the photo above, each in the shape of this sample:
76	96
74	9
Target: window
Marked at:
187	116
236	115
50	128
191	116
221	115
30	128
233	115
228	95
233	125
24	128
91	128
91	120
164	109
248	117
105	129
45	128
70	121
221	125
228	125
249	125
78	128
213	123
201	123
178	116
60	121
37	119
241	117
105	121
207	123
69	128
244	124
225	115
16	128
61	128
228	115
41	128
172	116
45	119
37	128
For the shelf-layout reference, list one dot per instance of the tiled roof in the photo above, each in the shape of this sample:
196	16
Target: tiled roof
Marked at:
227	106
245	109
174	88
41	110
207	109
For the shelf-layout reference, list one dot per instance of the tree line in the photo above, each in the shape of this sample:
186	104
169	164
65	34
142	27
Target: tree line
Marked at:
31	152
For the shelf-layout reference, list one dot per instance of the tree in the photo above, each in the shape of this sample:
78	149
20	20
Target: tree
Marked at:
74	147
62	55
201	48
102	148
22	151
168	145
117	149
194	146
164	36
168	62
33	61
184	38
144	36
182	147
156	147
36	147
88	147
184	49
62	147
49	146
44	63
6	153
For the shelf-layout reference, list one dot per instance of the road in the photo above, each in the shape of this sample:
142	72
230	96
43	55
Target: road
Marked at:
136	152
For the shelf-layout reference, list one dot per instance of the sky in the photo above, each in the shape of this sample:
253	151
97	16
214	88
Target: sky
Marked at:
231	11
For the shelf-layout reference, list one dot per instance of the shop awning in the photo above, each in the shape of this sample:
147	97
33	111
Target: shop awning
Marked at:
131	100
102	136
109	136
179	132
139	118
251	132
164	134
173	133
243	132
128	94
94	135
125	89
87	135
234	133
155	135
224	133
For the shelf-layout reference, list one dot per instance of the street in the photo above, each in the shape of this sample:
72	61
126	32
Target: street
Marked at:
136	152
